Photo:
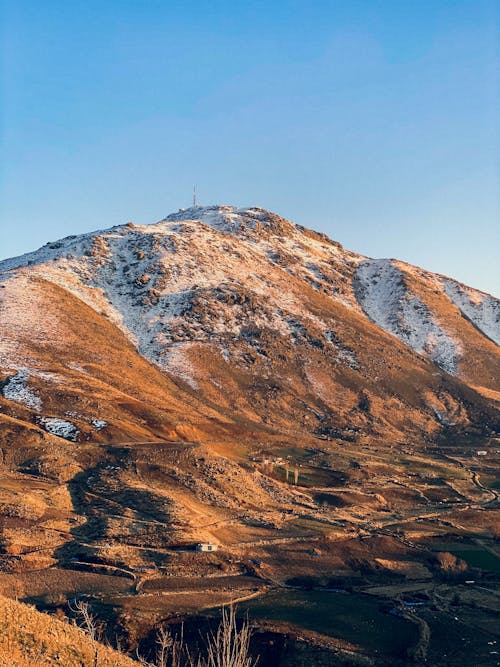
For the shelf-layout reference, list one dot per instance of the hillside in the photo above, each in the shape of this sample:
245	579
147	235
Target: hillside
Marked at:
31	639
228	376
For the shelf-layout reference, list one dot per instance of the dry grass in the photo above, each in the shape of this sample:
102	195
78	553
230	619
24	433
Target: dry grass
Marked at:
55	583
230	645
28	637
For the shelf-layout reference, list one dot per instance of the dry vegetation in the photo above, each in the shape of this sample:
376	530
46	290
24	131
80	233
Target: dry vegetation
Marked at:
29	638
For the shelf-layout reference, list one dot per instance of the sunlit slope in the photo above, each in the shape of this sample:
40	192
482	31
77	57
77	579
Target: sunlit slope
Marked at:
255	319
29	638
457	327
62	360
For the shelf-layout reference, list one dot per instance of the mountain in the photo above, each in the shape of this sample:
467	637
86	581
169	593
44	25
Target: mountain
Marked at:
252	315
228	376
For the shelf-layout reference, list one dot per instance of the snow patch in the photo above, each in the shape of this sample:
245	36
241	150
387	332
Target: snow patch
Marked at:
60	427
388	302
481	309
15	389
177	362
443	418
98	424
344	355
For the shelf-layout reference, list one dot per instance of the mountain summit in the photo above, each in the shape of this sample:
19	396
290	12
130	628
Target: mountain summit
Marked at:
235	220
147	278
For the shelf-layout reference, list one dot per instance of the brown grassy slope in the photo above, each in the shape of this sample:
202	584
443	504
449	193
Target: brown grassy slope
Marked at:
305	384
94	371
29	638
353	378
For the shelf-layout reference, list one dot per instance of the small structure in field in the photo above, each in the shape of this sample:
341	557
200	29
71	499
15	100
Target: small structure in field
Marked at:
206	546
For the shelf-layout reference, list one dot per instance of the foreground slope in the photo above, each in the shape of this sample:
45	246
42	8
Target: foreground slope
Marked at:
31	639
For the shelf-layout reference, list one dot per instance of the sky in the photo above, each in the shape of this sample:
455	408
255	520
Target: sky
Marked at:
376	122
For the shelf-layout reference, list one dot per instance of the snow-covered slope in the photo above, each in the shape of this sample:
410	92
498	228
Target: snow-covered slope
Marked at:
200	275
387	300
481	309
205	275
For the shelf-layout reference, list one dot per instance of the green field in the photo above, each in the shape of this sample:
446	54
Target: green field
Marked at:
481	558
473	554
355	618
491	482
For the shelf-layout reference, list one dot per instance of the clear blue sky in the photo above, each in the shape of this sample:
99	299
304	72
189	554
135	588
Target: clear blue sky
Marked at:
376	122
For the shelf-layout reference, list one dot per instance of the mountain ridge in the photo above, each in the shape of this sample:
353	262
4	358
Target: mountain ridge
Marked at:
343	275
229	301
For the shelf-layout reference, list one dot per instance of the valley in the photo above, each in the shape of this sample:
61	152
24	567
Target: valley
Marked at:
116	536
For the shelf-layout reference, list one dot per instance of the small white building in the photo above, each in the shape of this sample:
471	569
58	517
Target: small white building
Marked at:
207	546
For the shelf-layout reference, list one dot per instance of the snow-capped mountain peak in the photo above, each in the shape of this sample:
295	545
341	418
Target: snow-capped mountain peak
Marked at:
234	220
208	274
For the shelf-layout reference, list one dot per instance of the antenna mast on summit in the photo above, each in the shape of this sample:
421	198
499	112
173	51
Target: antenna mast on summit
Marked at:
194	196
